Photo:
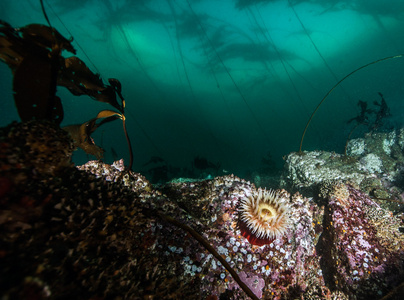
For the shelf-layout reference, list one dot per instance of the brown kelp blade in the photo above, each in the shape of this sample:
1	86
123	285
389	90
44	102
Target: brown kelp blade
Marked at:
108	113
81	133
33	39
34	92
116	85
46	37
41	46
9	54
80	80
33	54
12	48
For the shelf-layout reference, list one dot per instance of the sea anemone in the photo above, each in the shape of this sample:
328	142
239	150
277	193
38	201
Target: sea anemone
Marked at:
263	216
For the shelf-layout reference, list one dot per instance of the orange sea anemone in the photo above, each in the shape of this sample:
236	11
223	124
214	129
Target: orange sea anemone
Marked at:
263	216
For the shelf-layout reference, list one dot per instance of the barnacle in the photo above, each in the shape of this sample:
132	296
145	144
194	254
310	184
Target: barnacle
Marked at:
41	145
333	188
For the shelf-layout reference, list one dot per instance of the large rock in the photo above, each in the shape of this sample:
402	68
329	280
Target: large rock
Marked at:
361	245
105	232
374	164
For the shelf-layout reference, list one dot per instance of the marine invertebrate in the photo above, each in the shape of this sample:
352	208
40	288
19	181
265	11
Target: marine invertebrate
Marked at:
288	262
263	216
43	147
333	188
361	246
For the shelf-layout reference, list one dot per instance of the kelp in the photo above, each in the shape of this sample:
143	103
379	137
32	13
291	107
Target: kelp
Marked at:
81	133
34	90
212	250
36	49
79	80
335	86
34	55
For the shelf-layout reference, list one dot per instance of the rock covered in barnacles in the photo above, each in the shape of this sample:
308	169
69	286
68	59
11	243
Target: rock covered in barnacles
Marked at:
38	146
304	171
72	235
383	144
80	235
285	267
99	232
331	188
77	236
373	163
361	246
117	173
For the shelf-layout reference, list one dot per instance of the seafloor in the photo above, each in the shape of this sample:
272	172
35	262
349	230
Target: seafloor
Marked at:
100	232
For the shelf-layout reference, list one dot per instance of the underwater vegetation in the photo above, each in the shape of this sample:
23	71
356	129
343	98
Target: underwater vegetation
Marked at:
381	113
35	51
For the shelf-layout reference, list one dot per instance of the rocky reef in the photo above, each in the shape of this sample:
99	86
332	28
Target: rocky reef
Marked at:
374	164
100	231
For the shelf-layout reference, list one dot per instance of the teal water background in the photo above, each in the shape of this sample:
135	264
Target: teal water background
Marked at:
230	81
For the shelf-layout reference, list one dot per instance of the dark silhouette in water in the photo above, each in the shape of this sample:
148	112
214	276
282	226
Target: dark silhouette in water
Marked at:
202	163
382	113
337	84
268	163
154	160
115	156
362	118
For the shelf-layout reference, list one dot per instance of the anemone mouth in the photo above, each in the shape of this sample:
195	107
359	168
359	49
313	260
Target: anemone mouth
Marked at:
266	212
263	216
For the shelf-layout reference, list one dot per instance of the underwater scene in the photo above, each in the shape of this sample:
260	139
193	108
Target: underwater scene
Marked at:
202	149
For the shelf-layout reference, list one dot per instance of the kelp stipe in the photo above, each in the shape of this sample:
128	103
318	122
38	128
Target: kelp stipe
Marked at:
338	83
118	89
212	250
